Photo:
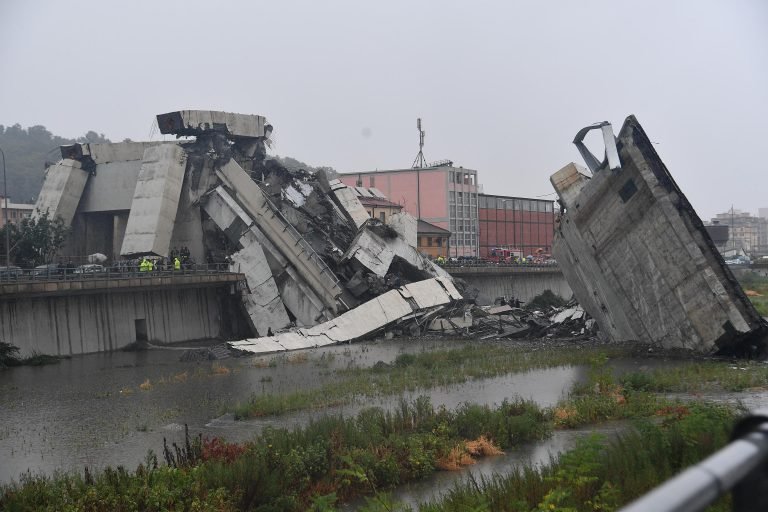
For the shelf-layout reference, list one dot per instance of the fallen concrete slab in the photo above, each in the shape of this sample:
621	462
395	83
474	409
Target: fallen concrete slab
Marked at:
406	226
376	254
363	321
282	235
639	260
305	306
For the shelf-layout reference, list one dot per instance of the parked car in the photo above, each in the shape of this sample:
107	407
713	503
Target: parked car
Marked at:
10	273
51	270
91	268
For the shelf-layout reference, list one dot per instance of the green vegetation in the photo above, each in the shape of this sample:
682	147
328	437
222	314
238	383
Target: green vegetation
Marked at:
603	476
27	152
35	241
335	459
757	284
9	356
699	377
330	459
413	372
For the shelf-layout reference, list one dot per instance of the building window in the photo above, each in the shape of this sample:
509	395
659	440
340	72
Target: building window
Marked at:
382	216
429	241
371	181
452	197
439	241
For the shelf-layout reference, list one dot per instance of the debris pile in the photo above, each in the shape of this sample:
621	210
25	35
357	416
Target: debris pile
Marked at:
313	259
507	321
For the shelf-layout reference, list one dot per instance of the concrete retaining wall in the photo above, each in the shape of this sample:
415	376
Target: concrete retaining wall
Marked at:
523	286
79	324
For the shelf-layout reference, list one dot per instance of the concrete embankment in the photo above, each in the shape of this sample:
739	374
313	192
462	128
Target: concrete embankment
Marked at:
72	317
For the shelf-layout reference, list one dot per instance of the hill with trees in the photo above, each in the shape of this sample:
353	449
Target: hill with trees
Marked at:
28	152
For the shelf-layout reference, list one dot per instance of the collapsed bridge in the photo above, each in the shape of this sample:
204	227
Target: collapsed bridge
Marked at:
639	259
306	246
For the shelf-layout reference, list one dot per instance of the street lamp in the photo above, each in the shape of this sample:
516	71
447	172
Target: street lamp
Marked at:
7	229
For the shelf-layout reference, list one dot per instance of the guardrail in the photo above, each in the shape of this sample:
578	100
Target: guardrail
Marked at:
492	264
740	467
114	272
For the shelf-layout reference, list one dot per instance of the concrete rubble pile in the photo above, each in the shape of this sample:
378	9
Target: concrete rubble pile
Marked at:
311	255
639	259
508	321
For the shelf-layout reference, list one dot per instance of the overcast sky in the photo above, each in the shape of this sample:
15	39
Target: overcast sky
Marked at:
502	87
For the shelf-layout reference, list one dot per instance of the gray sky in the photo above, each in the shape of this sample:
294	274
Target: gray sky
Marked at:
502	87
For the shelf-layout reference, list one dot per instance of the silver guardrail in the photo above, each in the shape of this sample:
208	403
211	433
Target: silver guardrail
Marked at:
17	275
741	468
494	264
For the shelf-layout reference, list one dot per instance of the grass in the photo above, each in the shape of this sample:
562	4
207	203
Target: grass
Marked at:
601	475
418	372
415	372
758	284
9	356
334	458
700	377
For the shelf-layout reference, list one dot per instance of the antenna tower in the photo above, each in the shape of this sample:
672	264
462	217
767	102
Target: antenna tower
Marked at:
420	161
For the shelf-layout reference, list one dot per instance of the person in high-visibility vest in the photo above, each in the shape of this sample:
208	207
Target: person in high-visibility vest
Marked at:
176	264
143	265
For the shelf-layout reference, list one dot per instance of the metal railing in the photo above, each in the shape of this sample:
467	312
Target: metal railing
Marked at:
741	468
470	263
16	275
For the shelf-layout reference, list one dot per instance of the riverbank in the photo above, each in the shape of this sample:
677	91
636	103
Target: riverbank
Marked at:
606	389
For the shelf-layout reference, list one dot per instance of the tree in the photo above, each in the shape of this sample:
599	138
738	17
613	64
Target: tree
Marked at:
35	241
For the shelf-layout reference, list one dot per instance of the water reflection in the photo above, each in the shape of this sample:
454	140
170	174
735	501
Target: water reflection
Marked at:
111	408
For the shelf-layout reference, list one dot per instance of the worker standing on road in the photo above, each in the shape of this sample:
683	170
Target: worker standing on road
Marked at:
143	265
176	263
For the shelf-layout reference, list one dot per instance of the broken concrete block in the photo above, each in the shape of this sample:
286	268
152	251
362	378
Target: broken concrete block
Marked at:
155	201
365	320
198	122
406	226
263	304
376	254
348	203
282	235
639	260
296	296
62	189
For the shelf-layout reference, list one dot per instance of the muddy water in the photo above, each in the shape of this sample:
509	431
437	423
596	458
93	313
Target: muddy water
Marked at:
534	454
110	409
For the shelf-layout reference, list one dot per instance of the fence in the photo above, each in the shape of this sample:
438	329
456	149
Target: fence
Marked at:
476	263
15	274
740	467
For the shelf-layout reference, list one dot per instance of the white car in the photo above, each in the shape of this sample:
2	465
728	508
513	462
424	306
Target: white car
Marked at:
91	268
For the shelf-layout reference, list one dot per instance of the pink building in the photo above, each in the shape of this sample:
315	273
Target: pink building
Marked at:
444	196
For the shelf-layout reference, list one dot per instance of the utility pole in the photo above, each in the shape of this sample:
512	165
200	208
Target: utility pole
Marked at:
7	228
